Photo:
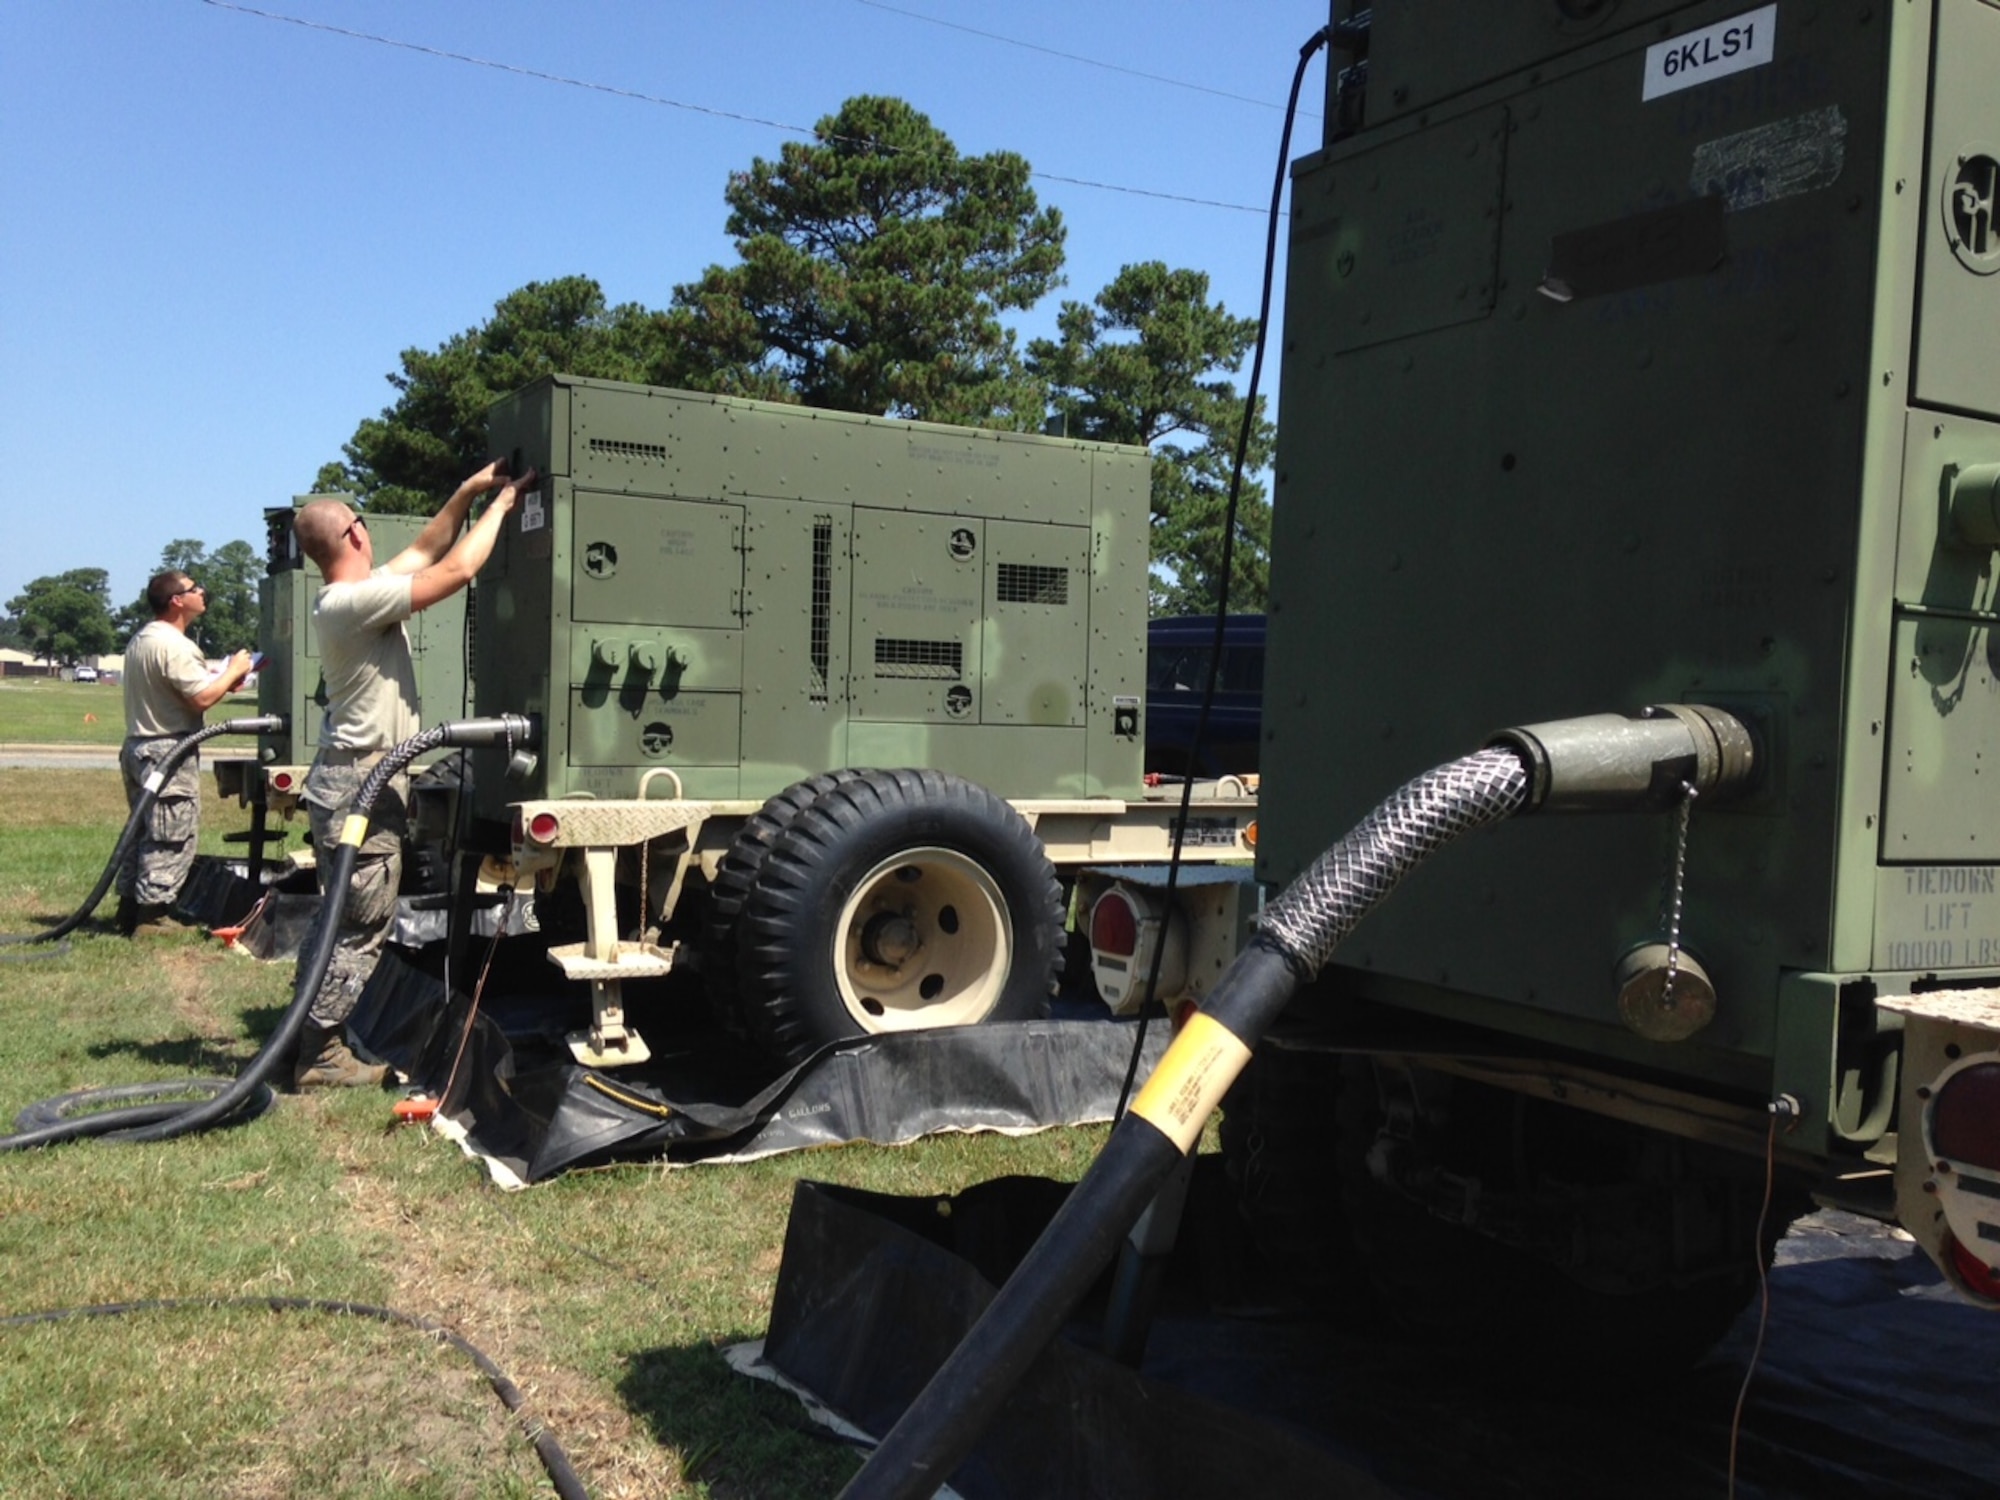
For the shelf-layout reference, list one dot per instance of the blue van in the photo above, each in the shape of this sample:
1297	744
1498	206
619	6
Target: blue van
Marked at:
1177	653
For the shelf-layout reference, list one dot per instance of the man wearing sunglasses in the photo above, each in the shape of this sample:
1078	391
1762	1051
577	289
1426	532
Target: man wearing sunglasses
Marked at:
168	687
371	707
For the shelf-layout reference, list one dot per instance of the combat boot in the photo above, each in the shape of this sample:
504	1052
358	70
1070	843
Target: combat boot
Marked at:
143	918
326	1063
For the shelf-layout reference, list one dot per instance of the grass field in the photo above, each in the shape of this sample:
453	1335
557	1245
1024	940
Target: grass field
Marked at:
605	1294
45	711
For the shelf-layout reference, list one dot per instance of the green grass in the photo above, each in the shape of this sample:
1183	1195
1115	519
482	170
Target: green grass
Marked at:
47	711
605	1294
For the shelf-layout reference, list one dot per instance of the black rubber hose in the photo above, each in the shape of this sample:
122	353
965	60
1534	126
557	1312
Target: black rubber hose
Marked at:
1298	932
561	1472
121	1125
143	1102
149	794
1606	762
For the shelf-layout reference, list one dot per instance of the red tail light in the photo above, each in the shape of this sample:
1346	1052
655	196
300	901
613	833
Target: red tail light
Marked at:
1114	926
282	781
543	827
1965	1118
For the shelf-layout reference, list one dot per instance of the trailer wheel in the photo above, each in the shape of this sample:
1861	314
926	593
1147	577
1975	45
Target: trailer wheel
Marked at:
735	877
898	901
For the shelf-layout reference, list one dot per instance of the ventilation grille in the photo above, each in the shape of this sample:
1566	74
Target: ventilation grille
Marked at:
1031	583
943	660
819	641
642	452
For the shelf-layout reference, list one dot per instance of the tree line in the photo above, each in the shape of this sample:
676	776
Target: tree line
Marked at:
876	266
65	617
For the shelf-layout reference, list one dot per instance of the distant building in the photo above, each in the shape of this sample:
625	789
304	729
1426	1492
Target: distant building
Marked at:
14	663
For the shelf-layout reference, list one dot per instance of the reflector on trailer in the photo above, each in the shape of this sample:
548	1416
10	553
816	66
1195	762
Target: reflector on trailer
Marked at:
1114	925
1126	928
1965	1117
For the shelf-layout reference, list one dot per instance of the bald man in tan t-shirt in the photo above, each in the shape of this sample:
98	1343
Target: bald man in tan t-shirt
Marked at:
371	707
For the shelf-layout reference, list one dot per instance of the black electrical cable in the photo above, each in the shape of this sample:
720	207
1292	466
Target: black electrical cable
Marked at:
1227	563
148	1123
149	794
560	1471
1763	1297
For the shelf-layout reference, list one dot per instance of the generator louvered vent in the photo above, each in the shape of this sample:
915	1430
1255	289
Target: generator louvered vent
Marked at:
1032	583
820	636
896	657
639	452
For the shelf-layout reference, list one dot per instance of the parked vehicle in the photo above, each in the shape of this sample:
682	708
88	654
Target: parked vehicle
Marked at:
1177	656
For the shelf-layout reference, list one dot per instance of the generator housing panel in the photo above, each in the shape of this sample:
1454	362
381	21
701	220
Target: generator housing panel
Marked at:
745	593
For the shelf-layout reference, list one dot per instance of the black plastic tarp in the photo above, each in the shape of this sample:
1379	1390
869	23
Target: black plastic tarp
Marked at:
525	1105
273	914
874	1292
1875	1380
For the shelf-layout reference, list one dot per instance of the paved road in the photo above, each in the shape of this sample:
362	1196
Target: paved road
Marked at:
58	757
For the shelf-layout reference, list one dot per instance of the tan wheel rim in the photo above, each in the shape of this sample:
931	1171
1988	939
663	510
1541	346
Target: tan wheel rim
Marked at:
924	941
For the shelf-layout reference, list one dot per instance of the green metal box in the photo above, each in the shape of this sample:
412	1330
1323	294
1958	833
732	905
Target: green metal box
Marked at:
1643	353
743	593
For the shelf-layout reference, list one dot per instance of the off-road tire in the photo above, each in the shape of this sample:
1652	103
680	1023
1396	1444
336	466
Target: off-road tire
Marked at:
897	900
735	877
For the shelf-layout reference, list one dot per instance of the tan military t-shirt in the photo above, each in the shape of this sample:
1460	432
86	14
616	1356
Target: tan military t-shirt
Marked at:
371	683
161	666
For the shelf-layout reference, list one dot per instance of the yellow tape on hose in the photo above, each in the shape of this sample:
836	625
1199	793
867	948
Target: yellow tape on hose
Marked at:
354	830
1191	1079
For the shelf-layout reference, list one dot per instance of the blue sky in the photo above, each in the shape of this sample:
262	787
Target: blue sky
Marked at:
219	229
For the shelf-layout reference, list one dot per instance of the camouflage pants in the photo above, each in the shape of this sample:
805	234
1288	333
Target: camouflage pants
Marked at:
329	793
163	853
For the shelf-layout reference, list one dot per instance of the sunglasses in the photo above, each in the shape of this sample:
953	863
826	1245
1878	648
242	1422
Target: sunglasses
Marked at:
193	588
357	521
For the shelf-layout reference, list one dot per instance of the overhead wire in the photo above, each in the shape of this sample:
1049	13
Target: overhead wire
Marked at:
1075	57
640	97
